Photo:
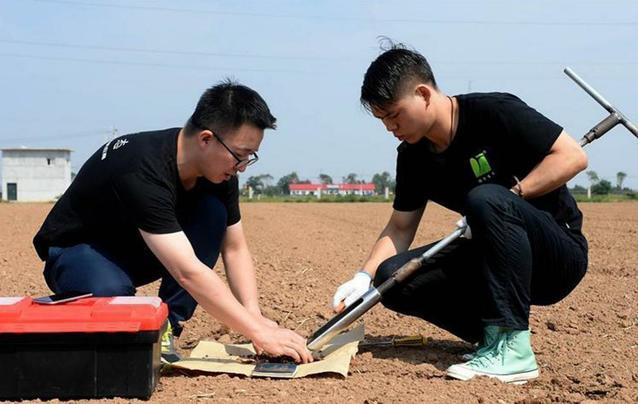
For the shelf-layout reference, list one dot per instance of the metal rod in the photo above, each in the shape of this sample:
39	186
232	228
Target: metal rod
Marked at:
342	320
608	123
632	127
413	265
357	309
589	89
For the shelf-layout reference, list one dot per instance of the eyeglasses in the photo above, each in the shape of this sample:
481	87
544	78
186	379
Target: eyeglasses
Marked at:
241	163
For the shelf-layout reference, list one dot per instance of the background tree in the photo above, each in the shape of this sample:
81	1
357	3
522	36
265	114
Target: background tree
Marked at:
381	181
593	176
602	187
272	190
259	182
578	189
620	177
325	179
254	182
284	182
350	179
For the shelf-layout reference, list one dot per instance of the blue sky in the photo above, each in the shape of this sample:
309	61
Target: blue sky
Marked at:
73	70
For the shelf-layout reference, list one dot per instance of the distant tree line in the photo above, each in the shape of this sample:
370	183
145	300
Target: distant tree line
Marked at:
264	184
601	186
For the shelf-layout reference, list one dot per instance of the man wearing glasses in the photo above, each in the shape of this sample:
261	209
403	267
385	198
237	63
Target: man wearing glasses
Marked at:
164	204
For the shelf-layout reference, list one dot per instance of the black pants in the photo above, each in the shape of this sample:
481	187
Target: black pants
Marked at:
518	256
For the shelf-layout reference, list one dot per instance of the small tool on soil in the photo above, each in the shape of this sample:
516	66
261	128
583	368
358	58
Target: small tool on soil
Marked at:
357	309
412	340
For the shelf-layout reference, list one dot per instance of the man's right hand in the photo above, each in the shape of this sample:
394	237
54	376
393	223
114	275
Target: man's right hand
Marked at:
350	291
276	341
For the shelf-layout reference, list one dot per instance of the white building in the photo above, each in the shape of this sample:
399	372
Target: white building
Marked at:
30	175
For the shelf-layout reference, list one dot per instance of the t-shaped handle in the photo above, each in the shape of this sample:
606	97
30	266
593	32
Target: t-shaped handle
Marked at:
610	121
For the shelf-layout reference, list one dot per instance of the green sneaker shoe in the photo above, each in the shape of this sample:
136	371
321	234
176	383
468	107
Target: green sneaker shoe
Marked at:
509	358
489	336
169	354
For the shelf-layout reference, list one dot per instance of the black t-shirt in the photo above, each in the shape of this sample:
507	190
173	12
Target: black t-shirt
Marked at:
130	183
498	137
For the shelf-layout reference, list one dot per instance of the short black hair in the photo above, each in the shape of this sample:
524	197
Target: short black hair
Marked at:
228	105
389	74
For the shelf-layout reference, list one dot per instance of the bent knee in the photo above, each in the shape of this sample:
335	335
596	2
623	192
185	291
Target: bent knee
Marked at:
486	200
213	211
114	289
384	272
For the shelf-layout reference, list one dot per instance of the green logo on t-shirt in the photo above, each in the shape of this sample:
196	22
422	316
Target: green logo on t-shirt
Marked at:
480	166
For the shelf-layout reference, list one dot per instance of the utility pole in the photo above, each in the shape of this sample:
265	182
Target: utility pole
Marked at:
109	137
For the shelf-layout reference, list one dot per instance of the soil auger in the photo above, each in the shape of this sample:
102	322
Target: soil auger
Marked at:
357	309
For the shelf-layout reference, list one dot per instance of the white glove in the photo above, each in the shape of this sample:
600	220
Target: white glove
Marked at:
350	291
468	232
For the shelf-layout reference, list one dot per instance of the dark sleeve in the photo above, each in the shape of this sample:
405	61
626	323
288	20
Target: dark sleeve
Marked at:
150	203
410	192
231	201
529	133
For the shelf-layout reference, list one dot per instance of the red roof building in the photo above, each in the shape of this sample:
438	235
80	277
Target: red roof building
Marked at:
365	189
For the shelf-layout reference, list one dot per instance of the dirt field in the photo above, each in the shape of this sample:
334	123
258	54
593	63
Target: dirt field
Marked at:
586	346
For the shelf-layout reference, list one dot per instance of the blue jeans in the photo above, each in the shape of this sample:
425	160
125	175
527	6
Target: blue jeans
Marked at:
91	268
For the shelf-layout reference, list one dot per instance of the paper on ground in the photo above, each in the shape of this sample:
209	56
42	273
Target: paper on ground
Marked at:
210	356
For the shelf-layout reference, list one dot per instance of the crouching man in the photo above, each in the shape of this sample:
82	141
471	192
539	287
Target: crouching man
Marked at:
503	165
164	204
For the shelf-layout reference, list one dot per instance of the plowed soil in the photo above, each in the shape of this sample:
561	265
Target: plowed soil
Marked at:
586	346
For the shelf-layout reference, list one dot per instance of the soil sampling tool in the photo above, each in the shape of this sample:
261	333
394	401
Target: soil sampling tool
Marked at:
614	118
357	309
409	341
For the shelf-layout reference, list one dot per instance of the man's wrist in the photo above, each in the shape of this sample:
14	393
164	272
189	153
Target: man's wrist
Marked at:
255	331
518	188
254	310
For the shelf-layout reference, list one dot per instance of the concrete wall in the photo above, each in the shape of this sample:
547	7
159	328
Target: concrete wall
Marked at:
40	175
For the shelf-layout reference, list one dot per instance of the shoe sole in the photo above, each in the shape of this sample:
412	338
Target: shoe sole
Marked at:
168	359
517	378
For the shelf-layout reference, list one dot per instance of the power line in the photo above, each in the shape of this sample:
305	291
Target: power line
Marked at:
55	138
341	18
231	70
276	57
162	51
163	65
290	71
286	71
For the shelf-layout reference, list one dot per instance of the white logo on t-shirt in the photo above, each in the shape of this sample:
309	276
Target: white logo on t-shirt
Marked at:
119	143
116	145
105	149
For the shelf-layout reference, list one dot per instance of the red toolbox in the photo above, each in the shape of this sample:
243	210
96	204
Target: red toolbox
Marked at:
89	348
